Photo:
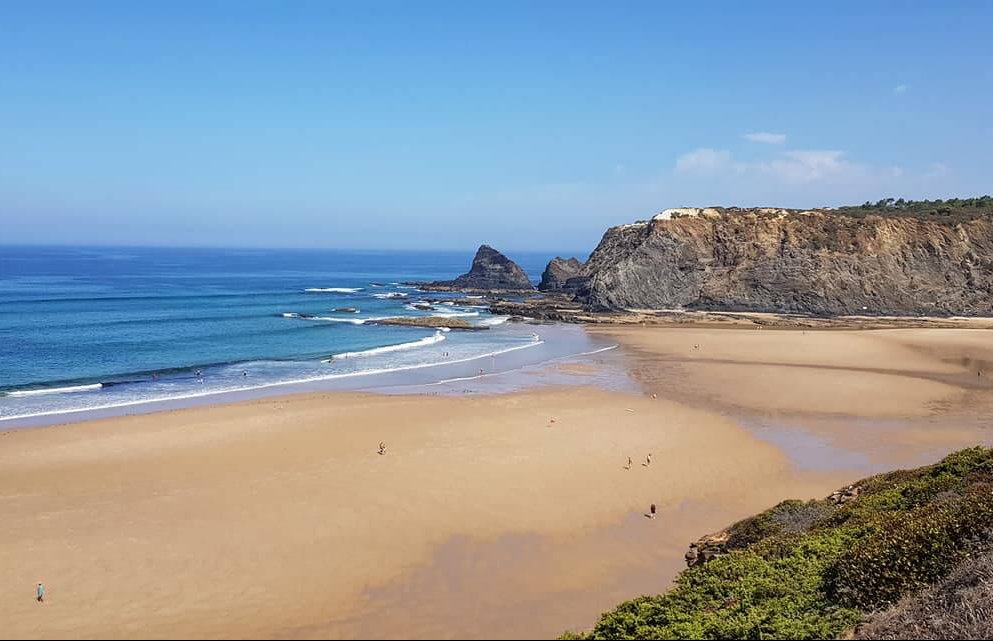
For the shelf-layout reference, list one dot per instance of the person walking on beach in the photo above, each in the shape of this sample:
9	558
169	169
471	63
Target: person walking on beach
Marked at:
628	466
382	448
648	459
39	593
651	512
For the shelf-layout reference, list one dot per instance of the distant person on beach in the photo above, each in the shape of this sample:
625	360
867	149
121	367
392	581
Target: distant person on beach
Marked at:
39	593
382	448
652	511
628	466
648	459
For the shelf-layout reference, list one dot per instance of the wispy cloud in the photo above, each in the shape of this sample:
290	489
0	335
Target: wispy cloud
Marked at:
704	161
765	138
792	167
808	166
901	89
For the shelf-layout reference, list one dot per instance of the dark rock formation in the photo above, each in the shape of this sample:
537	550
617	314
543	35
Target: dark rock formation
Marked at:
561	275
822	262
490	270
437	322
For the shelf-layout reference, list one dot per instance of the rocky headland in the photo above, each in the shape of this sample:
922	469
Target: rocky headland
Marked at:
874	265
563	275
823	262
491	271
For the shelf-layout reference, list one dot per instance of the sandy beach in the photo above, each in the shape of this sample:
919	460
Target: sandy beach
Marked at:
490	516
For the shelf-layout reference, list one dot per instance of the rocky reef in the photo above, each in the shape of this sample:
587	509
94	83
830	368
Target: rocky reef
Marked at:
822	262
490	271
437	322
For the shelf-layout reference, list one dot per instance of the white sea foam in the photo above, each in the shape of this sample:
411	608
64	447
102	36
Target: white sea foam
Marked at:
494	320
388	295
333	319
454	314
424	342
56	390
334	290
298	381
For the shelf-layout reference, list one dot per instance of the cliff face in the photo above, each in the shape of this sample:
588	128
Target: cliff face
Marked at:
819	262
561	274
491	270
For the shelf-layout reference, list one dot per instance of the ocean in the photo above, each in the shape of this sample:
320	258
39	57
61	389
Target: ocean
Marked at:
91	328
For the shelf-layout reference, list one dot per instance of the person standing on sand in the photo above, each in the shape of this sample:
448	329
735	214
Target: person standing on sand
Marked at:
628	466
648	459
39	593
652	511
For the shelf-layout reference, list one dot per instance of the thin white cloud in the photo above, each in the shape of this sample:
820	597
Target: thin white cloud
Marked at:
792	167
704	161
765	138
808	166
901	88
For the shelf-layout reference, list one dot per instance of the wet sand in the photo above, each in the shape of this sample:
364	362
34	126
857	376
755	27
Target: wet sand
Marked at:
887	398
491	516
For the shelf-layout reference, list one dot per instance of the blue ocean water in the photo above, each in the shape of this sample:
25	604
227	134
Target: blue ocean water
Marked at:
88	327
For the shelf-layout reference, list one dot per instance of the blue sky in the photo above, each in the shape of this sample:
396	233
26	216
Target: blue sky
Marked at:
531	125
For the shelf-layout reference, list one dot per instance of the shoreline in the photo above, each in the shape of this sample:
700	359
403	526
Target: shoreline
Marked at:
276	517
556	343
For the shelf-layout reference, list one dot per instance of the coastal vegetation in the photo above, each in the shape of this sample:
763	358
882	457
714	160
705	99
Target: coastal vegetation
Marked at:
881	557
950	211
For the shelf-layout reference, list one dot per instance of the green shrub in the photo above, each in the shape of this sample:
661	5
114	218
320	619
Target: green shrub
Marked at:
910	550
805	570
789	517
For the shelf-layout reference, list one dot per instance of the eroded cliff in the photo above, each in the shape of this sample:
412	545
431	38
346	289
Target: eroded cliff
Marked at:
823	262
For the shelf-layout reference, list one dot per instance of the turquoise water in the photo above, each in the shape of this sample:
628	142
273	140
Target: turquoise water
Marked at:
101	327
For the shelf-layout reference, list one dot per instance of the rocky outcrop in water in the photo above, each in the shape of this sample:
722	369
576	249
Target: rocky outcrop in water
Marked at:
821	262
562	275
490	270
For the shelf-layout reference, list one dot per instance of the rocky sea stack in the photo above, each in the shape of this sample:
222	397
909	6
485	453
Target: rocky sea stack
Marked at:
925	260
490	271
562	275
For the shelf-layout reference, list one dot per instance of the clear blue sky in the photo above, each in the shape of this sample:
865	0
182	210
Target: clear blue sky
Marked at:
531	125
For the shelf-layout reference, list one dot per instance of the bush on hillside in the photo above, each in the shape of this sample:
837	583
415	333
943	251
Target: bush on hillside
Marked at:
805	570
959	607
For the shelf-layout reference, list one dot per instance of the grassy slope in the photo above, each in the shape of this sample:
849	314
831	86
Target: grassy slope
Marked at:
813	570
